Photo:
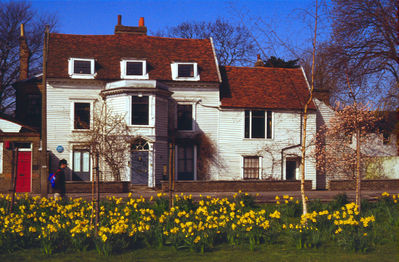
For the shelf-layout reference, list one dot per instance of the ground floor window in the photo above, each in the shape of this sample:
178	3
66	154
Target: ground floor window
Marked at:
81	165
251	167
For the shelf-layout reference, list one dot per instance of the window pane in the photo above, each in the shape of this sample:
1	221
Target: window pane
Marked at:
81	67
86	162
140	110
246	124
251	167
258	124
269	124
184	117
82	116
76	161
186	70
134	68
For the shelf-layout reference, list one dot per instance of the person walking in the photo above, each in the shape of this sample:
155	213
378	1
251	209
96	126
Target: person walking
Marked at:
59	184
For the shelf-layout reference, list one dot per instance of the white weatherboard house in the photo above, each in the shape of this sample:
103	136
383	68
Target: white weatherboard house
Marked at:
228	123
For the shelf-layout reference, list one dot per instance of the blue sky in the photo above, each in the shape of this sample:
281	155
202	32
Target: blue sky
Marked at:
286	18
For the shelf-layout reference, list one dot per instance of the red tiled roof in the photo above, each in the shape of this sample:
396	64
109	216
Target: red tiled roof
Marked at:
263	87
159	52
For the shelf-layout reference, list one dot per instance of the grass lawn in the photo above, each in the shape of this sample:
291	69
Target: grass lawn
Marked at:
224	252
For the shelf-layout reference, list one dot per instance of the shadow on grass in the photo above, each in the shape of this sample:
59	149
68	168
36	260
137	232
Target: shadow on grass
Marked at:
224	252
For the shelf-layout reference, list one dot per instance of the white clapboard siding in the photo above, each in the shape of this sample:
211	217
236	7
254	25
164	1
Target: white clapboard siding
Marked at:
286	132
206	102
60	101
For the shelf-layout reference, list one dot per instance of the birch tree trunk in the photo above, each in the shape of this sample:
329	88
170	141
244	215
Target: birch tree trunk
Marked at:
305	118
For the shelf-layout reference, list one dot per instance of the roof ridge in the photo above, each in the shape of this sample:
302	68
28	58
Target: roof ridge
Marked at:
261	67
149	36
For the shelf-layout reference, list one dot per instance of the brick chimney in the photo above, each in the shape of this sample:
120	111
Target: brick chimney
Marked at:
259	62
133	30
24	55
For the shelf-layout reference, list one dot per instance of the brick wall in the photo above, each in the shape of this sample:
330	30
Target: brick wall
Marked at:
5	177
235	186
105	187
386	184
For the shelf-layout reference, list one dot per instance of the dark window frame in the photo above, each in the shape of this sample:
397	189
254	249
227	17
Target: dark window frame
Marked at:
79	124
82	61
141	66
140	107
258	124
185	118
81	151
184	72
251	172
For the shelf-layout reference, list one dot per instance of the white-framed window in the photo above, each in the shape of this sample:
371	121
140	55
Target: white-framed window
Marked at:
258	124
185	117
81	165
251	167
185	71
83	68
134	69
81	114
140	110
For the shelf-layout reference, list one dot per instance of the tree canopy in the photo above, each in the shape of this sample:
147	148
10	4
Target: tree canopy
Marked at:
12	15
233	43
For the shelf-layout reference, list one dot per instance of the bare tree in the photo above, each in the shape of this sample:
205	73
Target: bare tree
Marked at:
12	14
108	138
365	41
233	43
340	147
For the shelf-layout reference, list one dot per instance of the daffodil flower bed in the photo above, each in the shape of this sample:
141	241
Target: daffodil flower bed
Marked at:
127	223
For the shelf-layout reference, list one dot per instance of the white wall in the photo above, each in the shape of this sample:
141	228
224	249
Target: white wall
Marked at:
286	132
60	99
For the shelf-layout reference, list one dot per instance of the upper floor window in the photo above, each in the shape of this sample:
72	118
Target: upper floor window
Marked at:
134	69
258	124
81	68
185	117
81	116
185	71
140	110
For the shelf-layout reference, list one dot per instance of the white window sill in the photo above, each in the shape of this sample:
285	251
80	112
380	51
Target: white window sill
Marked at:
195	78
141	126
83	76
137	77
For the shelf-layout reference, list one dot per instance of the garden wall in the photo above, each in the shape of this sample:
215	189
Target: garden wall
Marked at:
383	184
235	186
105	187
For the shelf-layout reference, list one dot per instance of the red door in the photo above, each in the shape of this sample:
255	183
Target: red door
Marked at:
24	172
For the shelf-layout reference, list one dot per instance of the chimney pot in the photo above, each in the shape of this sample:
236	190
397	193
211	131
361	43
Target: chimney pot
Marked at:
259	62
141	21
119	19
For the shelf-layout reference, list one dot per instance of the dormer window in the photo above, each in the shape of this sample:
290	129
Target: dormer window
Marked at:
134	69
185	71
81	68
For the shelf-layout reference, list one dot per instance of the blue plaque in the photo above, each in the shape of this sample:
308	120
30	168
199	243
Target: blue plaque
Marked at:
60	149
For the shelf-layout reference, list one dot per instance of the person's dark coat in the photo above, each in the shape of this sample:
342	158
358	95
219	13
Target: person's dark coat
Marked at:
59	183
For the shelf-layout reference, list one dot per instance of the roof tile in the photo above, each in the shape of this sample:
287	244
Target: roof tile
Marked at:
263	87
159	52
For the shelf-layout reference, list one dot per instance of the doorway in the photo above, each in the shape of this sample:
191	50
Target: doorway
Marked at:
24	171
139	162
290	169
